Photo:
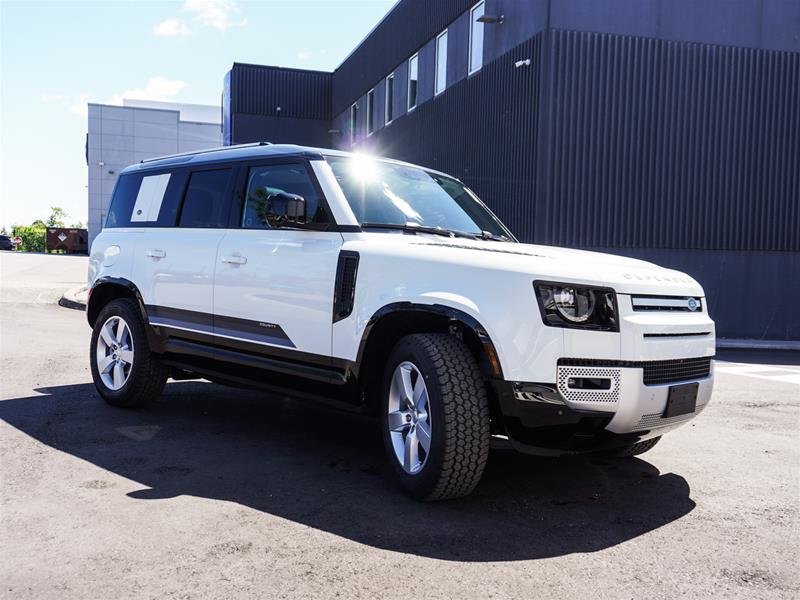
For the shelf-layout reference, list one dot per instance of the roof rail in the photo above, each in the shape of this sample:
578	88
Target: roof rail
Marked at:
193	152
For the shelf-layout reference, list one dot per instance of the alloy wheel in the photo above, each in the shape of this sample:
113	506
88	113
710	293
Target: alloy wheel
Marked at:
114	353
409	419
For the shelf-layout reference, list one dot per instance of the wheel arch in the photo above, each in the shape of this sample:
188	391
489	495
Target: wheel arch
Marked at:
394	321
106	289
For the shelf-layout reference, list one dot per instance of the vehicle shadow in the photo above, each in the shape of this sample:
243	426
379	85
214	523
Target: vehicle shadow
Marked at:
326	469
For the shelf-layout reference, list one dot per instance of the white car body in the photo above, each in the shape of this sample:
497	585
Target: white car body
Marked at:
274	289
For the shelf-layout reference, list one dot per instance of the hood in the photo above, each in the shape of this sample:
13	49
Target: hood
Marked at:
551	263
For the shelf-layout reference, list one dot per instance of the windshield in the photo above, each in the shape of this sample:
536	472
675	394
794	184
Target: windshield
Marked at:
382	192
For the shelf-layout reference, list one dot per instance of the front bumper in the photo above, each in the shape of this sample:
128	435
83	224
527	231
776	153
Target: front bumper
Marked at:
557	417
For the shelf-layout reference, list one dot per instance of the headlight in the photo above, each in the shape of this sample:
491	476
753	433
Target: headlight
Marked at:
577	306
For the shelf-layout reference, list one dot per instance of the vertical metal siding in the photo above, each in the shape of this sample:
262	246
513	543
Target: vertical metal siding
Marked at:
484	130
662	144
409	25
260	90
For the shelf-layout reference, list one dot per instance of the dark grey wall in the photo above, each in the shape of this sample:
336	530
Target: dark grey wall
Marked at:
276	105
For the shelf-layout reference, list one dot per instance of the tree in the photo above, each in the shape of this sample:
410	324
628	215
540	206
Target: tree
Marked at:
56	218
33	237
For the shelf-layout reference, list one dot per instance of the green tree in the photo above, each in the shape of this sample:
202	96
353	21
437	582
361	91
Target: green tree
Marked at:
57	216
33	237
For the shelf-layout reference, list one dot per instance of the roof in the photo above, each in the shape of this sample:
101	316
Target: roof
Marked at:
226	154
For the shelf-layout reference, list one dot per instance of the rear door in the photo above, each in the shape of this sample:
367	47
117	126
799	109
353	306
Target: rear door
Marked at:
175	269
273	290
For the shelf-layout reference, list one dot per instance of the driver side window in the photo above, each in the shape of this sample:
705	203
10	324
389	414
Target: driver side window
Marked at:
281	196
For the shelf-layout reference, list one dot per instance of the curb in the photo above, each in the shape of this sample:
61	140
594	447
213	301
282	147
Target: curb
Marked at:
74	298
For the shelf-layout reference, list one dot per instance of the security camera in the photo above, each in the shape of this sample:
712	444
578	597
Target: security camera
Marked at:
523	63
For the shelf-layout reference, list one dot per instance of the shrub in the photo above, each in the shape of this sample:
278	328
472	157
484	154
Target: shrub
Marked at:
33	237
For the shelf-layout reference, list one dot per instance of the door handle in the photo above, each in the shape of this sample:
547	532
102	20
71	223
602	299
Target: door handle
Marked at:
156	253
235	260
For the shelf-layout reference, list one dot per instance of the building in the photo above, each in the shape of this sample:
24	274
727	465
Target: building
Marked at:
668	131
121	135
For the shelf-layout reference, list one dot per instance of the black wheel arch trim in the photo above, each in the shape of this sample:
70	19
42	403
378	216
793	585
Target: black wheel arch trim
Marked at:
118	281
456	316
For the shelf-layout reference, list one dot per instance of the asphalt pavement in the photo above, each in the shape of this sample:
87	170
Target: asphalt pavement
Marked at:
225	493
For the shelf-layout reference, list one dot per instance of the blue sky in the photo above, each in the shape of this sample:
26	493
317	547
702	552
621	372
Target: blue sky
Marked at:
57	56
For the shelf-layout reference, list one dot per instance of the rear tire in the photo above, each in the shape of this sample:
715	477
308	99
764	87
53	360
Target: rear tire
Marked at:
434	391
632	449
125	372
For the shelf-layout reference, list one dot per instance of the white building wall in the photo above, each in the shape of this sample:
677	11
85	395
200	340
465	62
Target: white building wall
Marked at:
122	135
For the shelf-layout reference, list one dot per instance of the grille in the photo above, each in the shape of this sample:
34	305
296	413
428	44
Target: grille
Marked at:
667	303
610	395
655	420
655	372
671	371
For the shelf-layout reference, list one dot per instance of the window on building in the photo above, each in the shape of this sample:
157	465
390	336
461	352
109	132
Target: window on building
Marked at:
270	187
389	99
353	122
441	62
206	200
370	111
413	77
476	37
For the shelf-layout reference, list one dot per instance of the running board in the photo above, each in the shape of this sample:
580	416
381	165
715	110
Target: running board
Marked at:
187	348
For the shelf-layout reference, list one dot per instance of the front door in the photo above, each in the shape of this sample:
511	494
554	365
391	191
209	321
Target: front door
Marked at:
275	275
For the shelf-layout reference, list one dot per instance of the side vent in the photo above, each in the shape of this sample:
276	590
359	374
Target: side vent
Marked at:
345	290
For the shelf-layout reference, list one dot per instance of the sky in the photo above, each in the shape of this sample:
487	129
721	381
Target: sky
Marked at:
57	56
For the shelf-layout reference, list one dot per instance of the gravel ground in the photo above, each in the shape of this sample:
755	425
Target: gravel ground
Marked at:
218	493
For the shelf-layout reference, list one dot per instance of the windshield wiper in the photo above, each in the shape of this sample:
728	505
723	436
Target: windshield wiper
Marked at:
488	235
414	228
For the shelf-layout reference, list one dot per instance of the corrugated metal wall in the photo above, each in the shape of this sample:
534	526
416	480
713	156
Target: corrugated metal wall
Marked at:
644	143
659	144
483	130
259	90
409	25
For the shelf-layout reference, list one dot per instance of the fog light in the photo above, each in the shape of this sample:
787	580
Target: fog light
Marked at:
589	383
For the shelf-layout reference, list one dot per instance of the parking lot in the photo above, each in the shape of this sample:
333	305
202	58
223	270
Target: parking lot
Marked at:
222	493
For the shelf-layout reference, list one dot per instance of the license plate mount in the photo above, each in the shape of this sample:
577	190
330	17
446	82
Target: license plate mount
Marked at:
681	400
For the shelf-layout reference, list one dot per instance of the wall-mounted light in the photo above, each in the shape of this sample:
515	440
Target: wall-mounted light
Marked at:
489	19
525	62
101	164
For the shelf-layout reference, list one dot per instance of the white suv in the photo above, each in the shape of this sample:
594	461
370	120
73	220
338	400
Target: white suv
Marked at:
393	289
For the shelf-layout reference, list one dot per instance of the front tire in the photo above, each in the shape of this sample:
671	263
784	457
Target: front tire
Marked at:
435	417
125	372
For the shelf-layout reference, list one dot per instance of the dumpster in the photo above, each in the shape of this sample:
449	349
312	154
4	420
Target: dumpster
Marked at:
67	239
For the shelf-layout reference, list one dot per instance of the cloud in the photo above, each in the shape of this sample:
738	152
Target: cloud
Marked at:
78	104
219	14
171	27
157	88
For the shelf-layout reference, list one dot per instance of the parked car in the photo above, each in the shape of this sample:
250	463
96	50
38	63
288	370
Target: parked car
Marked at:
6	243
391	288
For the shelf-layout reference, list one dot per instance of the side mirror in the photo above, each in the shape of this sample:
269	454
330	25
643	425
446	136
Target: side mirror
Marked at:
283	208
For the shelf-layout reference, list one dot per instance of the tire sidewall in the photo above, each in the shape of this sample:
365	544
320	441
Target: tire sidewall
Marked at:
123	309
419	484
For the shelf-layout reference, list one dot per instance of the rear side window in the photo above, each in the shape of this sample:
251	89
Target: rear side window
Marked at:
145	200
123	200
206	201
